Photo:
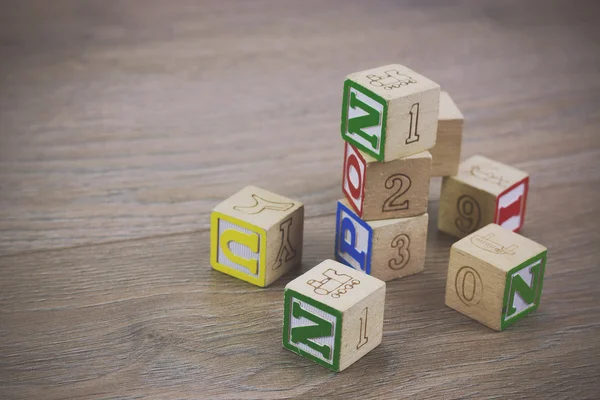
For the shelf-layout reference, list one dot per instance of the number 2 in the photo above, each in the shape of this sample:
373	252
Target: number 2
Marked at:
413	135
403	186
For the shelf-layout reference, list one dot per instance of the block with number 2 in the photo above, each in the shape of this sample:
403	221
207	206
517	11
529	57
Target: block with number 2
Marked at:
390	112
386	249
333	315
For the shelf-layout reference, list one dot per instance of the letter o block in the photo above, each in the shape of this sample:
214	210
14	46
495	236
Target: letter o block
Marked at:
386	190
333	315
390	112
495	276
386	249
484	191
256	235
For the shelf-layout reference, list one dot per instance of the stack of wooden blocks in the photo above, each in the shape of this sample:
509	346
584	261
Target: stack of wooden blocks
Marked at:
399	130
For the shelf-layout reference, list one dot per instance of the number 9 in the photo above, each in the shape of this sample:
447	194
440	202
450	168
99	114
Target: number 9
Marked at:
469	214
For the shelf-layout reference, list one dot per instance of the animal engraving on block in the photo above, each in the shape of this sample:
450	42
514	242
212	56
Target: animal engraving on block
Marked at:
261	204
334	284
486	243
469	213
469	286
402	242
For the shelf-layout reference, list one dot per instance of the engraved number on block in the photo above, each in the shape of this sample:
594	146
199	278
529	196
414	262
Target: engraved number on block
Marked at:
353	240
469	214
286	246
362	337
312	330
413	134
401	242
468	286
402	183
523	291
238	248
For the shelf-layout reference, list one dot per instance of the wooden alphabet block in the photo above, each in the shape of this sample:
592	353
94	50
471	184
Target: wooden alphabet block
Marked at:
385	190
256	235
495	276
390	112
484	191
446	153
333	315
386	249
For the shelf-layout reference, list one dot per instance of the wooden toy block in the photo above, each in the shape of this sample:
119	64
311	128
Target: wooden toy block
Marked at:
256	235
495	276
386	249
484	191
333	315
390	112
384	190
446	153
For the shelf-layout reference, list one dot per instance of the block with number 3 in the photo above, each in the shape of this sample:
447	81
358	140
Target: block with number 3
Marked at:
390	112
495	276
256	235
386	249
484	191
385	190
333	315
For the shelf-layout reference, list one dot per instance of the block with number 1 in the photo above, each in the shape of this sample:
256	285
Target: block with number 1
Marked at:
390	112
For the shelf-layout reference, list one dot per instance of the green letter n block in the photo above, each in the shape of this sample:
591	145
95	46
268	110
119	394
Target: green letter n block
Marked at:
523	289
312	329
364	119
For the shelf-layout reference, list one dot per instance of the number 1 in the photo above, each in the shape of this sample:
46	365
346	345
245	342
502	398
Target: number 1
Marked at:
363	339
413	135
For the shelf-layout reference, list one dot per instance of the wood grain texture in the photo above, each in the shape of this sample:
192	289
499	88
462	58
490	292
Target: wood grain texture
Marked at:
122	125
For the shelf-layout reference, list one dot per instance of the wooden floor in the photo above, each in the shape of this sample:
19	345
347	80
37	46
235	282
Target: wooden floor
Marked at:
123	123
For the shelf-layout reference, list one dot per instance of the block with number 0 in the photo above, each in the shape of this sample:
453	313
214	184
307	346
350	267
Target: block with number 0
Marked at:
256	235
385	190
386	249
333	315
484	191
495	276
390	112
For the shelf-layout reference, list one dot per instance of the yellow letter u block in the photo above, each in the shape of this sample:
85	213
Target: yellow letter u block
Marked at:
238	248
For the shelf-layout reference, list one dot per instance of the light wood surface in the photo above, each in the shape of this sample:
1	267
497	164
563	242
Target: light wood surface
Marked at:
446	152
122	125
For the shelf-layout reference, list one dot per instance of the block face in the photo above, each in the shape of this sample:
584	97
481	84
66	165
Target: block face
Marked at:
483	192
338	315
495	276
364	116
312	329
411	116
396	189
399	246
446	153
353	239
238	248
353	181
523	289
257	235
510	206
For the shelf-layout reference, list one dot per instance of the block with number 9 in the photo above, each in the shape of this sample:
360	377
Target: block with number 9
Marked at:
495	276
484	191
256	235
390	112
386	249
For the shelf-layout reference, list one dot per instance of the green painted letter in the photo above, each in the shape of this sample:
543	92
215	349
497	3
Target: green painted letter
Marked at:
302	334
356	125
